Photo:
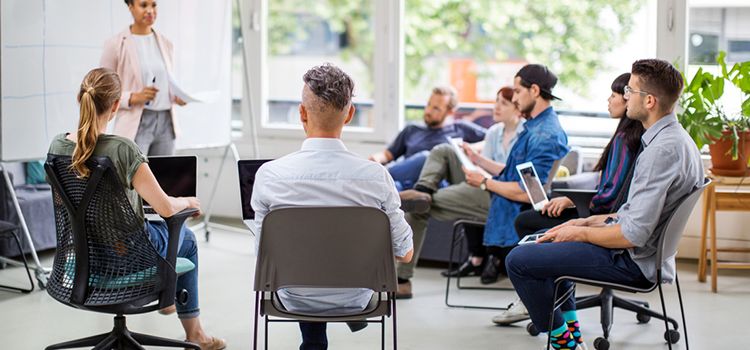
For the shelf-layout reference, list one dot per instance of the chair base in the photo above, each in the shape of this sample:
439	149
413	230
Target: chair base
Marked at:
25	265
457	241
122	339
608	301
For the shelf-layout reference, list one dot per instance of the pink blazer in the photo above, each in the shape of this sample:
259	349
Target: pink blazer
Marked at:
121	55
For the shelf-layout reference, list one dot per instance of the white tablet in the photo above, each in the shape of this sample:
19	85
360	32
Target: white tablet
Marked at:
528	239
532	185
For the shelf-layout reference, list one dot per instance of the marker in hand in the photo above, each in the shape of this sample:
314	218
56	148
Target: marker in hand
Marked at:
153	82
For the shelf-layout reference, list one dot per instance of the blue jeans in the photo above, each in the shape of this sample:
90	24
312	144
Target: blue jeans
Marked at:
313	336
188	248
533	269
405	172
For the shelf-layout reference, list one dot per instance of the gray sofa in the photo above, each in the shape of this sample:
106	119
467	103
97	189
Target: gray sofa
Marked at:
36	205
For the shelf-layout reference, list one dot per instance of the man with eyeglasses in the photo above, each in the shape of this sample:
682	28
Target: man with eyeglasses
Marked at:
618	248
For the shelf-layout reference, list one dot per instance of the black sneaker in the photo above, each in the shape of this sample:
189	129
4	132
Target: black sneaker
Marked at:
491	272
466	269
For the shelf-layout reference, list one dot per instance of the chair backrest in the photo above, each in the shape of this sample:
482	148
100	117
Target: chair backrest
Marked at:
326	247
551	176
573	161
672	233
104	256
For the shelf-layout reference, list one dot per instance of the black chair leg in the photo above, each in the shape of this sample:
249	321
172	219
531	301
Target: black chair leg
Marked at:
255	321
107	343
682	311
626	304
395	325
150	340
93	340
607	312
664	310
588	302
25	265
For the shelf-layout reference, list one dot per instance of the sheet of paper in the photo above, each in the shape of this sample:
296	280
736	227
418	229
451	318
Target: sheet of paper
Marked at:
199	97
465	161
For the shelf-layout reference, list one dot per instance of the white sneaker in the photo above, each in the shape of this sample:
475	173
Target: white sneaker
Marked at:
581	346
516	312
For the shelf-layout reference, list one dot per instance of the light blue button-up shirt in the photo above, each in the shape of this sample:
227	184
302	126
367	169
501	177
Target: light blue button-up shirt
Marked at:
493	142
325	173
668	169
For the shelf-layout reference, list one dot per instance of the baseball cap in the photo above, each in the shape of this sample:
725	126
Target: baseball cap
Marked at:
541	76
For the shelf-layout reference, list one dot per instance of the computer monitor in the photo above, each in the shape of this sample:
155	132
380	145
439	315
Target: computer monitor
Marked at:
247	170
177	175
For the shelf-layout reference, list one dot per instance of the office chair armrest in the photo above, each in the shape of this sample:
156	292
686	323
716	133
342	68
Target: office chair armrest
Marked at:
174	225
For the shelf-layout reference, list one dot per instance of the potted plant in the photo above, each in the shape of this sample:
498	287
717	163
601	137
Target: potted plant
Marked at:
706	119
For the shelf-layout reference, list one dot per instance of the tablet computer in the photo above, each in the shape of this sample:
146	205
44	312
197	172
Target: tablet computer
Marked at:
532	185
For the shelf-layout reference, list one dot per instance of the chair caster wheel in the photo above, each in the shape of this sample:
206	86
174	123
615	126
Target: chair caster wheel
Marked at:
531	328
672	336
643	318
601	344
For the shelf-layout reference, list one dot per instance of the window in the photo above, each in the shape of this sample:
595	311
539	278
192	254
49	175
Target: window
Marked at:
718	26
478	46
303	34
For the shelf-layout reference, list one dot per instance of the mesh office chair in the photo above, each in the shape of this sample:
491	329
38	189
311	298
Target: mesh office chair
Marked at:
459	229
666	250
325	247
105	261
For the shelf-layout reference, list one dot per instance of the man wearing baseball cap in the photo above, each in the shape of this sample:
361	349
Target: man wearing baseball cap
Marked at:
542	142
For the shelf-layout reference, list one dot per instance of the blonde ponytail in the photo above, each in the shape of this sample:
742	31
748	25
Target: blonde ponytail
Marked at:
99	91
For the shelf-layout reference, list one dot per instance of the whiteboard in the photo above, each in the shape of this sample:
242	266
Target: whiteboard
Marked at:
47	46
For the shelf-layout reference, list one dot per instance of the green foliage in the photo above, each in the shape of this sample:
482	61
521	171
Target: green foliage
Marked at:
570	36
703	115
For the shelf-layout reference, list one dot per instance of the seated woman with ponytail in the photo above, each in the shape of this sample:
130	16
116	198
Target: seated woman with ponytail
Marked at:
99	98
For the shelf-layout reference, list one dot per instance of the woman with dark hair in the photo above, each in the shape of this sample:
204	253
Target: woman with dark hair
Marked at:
616	166
99	99
143	58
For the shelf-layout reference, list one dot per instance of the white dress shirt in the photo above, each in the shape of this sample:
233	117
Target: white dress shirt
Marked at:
325	173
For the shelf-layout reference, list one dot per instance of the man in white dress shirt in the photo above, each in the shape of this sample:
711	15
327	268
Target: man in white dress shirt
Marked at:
324	173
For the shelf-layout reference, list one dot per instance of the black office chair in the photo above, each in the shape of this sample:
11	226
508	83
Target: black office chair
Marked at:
325	247
105	261
9	230
607	300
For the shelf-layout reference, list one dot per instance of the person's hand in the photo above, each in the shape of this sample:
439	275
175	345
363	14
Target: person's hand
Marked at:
556	205
194	203
561	233
147	94
473	178
473	155
378	157
179	101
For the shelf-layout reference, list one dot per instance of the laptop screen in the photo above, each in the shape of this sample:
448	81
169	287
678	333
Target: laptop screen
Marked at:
175	174
247	170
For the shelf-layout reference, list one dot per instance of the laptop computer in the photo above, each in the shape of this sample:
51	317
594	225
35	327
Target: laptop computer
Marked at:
581	199
247	170
177	176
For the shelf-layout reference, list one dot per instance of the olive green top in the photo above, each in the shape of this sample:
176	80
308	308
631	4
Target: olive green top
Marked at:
123	153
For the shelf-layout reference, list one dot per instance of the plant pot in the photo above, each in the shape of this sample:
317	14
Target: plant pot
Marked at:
722	163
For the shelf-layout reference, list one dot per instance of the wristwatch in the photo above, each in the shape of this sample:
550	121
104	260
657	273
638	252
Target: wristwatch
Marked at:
483	184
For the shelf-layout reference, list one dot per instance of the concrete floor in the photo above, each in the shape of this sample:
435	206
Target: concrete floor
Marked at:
715	321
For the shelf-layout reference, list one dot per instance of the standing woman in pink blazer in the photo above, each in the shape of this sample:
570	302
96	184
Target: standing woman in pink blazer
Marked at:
143	59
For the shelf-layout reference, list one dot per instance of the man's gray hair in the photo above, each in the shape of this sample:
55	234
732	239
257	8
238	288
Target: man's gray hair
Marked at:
330	84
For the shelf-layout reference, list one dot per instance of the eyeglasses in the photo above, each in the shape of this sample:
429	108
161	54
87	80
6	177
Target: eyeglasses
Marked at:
628	90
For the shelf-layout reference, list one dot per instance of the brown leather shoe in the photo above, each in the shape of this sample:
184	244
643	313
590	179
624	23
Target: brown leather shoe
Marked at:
404	291
413	201
213	344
